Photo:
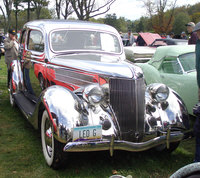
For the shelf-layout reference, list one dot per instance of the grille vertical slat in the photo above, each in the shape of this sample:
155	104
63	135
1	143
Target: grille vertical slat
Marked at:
127	101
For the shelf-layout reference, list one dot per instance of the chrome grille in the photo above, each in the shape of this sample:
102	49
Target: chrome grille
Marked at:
127	98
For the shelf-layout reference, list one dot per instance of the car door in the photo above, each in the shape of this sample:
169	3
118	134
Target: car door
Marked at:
34	65
183	83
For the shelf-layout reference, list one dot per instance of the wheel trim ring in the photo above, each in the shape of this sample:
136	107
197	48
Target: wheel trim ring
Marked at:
49	159
47	139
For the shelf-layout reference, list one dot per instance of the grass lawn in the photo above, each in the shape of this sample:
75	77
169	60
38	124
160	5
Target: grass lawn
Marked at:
21	152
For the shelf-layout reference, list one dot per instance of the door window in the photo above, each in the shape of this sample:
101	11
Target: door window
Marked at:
171	66
36	41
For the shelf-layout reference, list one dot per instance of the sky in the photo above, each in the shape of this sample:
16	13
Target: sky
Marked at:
134	9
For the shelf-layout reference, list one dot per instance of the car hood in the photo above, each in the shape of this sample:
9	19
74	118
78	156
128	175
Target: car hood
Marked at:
140	49
102	64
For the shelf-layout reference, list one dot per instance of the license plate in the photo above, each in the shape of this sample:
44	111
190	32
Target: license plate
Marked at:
87	133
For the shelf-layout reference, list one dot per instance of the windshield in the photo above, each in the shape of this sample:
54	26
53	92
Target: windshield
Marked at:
82	40
188	61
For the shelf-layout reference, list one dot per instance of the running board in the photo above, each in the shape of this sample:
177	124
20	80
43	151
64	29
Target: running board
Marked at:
25	105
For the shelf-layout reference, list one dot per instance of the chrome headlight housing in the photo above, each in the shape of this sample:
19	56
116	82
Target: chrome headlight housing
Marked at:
93	94
159	92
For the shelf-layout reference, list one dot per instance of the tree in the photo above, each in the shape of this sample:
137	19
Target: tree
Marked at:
29	8
8	6
38	5
68	10
180	20
86	9
111	19
17	4
58	8
156	9
3	19
196	17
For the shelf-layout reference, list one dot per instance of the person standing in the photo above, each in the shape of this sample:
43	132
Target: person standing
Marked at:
193	35
183	35
11	51
130	38
196	109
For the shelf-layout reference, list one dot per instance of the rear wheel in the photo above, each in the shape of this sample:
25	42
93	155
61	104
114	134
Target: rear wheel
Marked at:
52	149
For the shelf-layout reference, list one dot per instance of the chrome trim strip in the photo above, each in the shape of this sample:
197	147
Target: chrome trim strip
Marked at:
69	76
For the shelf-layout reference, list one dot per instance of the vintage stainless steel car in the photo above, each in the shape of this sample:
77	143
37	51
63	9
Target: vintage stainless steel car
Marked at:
72	82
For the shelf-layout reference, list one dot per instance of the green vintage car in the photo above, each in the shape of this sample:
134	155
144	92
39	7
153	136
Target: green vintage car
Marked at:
175	67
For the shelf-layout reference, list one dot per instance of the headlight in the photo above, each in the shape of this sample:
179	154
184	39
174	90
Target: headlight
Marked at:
159	92
93	94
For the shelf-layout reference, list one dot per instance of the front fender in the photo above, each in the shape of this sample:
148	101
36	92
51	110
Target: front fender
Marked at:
16	76
61	105
151	74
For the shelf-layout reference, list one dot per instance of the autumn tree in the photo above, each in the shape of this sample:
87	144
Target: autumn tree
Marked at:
86	9
156	9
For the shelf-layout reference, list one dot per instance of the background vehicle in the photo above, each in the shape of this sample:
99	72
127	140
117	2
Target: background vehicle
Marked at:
72	82
144	53
175	67
168	41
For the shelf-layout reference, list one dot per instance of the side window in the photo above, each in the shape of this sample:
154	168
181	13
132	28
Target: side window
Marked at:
35	41
171	66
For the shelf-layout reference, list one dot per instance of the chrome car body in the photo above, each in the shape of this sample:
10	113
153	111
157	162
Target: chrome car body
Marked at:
90	99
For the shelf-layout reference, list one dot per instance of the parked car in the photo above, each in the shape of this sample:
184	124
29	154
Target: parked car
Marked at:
168	41
175	67
139	54
142	53
72	82
145	53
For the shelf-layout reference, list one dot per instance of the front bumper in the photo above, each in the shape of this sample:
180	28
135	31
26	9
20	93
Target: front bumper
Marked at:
123	145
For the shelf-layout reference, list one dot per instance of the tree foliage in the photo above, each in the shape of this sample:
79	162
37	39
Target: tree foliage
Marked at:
180	20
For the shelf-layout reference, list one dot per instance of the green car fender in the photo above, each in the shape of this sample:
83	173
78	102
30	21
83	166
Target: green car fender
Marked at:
151	74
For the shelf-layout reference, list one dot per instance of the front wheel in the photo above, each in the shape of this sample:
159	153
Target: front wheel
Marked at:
52	149
172	147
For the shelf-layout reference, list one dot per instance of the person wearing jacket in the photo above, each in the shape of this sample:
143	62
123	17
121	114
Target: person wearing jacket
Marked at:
11	51
193	35
196	109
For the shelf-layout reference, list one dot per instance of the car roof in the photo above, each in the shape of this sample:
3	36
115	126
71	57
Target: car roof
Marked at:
51	24
173	50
